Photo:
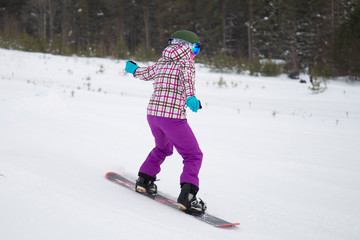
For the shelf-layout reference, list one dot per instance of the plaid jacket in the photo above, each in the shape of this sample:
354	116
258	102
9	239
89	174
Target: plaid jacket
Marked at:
174	82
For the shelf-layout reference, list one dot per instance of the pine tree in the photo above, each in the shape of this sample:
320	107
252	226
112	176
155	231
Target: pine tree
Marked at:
347	43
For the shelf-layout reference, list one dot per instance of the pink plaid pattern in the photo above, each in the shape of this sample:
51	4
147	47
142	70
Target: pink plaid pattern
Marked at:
174	82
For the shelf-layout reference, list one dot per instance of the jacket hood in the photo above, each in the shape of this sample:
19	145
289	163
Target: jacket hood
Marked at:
176	53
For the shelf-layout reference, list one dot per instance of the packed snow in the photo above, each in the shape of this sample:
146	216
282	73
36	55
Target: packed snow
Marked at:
281	160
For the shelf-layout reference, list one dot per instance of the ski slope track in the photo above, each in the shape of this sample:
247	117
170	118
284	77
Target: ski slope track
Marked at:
279	159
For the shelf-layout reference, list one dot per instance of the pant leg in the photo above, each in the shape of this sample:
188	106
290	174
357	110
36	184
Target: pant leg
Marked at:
163	148
191	154
184	140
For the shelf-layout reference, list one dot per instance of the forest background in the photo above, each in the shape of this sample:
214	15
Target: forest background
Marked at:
317	37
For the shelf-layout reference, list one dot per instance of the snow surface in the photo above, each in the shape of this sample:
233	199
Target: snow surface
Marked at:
282	161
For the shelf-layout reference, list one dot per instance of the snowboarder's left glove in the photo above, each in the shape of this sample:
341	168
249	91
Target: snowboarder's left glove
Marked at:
193	103
131	67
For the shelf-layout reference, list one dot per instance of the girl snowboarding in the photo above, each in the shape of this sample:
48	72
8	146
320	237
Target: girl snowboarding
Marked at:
174	89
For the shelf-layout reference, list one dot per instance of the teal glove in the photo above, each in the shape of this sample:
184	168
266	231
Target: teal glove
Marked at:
193	103
131	67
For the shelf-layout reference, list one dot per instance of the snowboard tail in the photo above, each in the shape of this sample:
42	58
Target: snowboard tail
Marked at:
159	197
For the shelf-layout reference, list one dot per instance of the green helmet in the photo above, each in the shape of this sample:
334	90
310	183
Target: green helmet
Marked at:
186	35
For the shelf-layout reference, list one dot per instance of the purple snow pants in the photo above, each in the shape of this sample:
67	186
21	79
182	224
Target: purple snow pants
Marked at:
170	132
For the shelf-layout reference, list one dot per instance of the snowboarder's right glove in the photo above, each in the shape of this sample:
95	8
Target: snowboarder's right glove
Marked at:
193	103
131	67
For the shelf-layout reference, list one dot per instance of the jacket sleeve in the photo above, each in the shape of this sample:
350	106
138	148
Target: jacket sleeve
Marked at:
146	73
187	76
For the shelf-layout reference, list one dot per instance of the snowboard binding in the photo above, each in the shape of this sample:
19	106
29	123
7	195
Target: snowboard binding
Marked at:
187	199
145	184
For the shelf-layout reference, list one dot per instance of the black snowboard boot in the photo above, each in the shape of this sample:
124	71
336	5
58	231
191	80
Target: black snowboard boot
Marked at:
187	199
145	184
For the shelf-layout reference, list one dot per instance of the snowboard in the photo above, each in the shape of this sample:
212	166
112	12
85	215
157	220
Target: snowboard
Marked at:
161	198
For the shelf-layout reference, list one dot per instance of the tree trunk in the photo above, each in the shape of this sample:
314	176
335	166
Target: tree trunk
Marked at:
147	25
223	13
51	13
250	37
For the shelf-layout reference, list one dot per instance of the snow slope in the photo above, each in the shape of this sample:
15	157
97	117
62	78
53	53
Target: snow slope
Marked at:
282	161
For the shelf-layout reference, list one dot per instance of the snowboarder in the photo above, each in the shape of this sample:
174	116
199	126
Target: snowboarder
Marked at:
174	87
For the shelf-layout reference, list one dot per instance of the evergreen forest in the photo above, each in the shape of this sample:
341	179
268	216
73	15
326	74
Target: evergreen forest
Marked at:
317	37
